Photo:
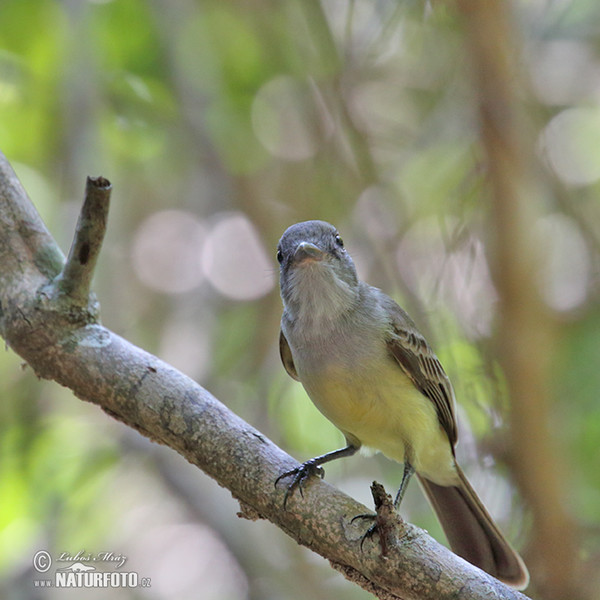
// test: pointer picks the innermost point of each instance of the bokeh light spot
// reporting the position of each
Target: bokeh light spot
(570, 143)
(235, 260)
(565, 275)
(290, 118)
(166, 251)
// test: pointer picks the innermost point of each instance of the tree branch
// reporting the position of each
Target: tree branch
(76, 277)
(58, 334)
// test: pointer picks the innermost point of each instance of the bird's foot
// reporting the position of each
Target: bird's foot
(371, 531)
(300, 474)
(385, 521)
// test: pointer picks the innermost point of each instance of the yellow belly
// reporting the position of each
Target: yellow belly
(381, 408)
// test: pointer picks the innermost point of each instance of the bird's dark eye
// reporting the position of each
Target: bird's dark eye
(279, 256)
(338, 240)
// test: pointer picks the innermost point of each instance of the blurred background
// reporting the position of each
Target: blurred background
(219, 124)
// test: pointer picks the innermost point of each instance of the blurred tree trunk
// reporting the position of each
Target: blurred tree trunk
(525, 330)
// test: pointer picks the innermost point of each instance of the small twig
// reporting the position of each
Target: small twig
(76, 277)
(386, 520)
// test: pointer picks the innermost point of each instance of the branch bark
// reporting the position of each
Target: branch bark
(57, 331)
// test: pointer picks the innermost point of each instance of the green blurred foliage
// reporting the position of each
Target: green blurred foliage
(355, 112)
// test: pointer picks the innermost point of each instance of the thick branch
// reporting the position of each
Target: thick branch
(145, 393)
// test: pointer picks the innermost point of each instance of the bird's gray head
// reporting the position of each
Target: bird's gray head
(317, 276)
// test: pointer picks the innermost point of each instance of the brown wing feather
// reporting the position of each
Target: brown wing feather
(286, 357)
(417, 359)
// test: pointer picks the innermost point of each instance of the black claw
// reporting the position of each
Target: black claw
(372, 529)
(301, 474)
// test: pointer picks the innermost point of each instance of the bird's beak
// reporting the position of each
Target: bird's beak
(305, 251)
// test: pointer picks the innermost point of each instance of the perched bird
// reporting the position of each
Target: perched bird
(369, 370)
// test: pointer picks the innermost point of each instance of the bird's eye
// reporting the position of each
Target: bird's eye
(279, 256)
(339, 241)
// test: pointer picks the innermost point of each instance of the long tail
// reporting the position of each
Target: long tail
(472, 533)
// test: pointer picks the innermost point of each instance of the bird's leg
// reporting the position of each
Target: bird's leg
(408, 472)
(312, 467)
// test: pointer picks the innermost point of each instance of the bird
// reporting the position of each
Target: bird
(369, 370)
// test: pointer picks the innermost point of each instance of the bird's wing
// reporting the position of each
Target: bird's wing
(286, 357)
(412, 352)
